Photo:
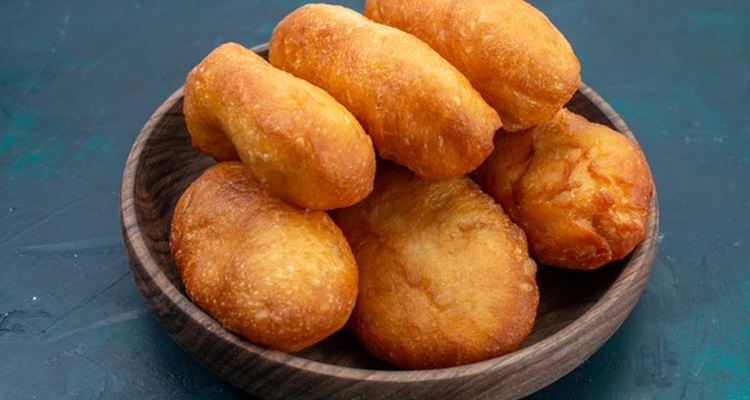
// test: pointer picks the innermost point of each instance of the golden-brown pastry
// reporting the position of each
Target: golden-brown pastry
(580, 190)
(419, 110)
(445, 276)
(299, 142)
(277, 274)
(509, 50)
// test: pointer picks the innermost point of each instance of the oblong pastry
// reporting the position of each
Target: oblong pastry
(510, 51)
(279, 275)
(419, 110)
(298, 141)
(445, 276)
(580, 190)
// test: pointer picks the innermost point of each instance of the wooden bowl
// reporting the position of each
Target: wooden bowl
(578, 312)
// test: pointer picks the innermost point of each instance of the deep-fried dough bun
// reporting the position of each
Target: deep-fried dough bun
(272, 272)
(520, 62)
(419, 110)
(445, 276)
(581, 191)
(299, 142)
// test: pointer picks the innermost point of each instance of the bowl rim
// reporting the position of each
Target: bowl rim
(519, 359)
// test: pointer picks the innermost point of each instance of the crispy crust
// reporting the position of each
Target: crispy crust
(299, 142)
(419, 110)
(445, 276)
(580, 190)
(510, 51)
(274, 273)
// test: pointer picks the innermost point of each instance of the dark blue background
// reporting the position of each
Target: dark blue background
(79, 78)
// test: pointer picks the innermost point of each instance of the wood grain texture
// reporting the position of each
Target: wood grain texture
(579, 310)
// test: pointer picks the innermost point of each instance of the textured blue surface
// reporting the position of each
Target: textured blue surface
(78, 80)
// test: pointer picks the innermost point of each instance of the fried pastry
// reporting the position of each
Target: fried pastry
(419, 110)
(580, 190)
(279, 275)
(445, 276)
(298, 141)
(510, 51)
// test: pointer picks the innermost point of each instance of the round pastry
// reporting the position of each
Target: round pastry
(510, 51)
(445, 276)
(580, 190)
(419, 110)
(298, 141)
(279, 275)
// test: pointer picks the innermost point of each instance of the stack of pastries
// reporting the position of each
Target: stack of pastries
(399, 173)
